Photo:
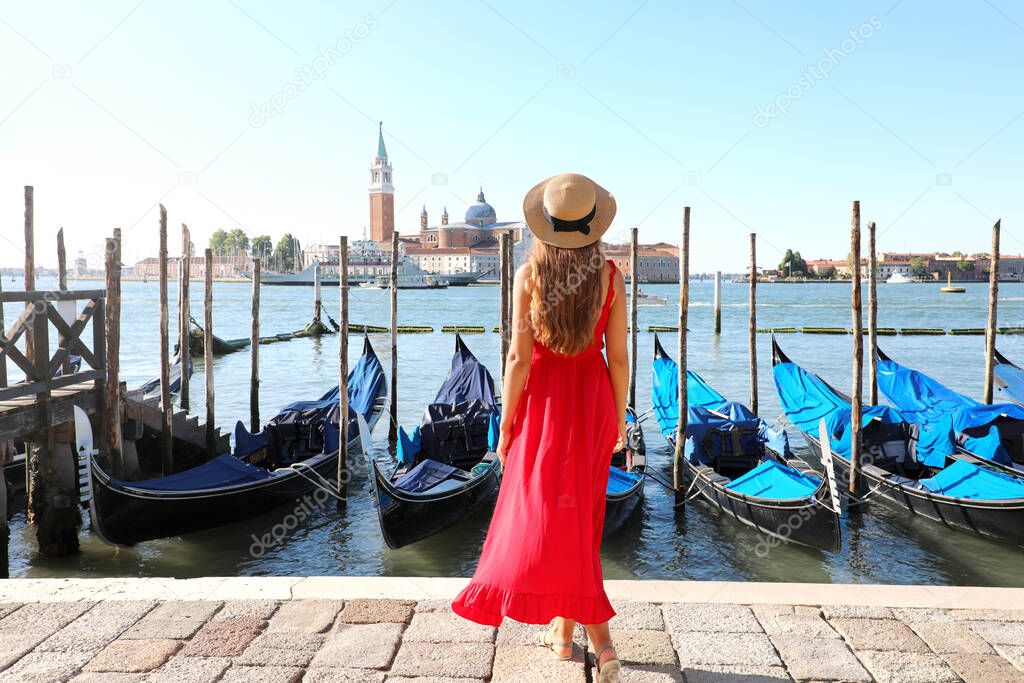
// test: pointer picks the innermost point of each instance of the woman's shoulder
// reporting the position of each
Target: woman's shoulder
(618, 281)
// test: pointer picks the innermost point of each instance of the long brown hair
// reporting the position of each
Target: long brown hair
(565, 300)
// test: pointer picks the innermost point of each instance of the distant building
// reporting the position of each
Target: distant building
(320, 253)
(382, 194)
(479, 229)
(224, 267)
(454, 260)
(658, 262)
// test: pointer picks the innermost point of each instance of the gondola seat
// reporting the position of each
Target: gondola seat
(430, 476)
(963, 479)
(455, 433)
(773, 480)
(620, 481)
(224, 470)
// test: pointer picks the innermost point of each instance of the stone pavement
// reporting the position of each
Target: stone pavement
(173, 637)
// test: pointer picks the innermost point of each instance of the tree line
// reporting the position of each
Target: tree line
(235, 242)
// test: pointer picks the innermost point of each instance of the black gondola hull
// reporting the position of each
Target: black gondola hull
(998, 520)
(406, 518)
(621, 506)
(124, 517)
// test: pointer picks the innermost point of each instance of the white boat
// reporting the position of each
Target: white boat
(644, 299)
(899, 279)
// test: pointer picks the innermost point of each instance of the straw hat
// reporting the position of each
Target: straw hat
(569, 211)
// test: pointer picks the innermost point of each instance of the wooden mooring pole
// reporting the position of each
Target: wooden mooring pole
(684, 309)
(112, 337)
(504, 292)
(185, 326)
(993, 297)
(30, 256)
(752, 323)
(718, 302)
(211, 428)
(343, 473)
(872, 317)
(393, 408)
(166, 409)
(510, 264)
(254, 351)
(856, 396)
(634, 291)
(62, 285)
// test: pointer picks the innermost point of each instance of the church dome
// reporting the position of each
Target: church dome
(481, 213)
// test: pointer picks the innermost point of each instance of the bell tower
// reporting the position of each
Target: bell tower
(382, 194)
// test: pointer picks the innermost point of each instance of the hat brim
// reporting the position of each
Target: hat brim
(540, 226)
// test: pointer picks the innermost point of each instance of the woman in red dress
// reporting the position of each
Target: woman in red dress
(563, 415)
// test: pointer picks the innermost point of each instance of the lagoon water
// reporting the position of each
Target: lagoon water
(879, 546)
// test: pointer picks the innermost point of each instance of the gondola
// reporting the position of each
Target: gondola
(909, 466)
(1009, 377)
(741, 465)
(295, 454)
(151, 389)
(988, 433)
(625, 491)
(446, 468)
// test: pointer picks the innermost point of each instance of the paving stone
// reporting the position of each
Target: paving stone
(132, 656)
(376, 611)
(648, 673)
(107, 677)
(517, 633)
(856, 612)
(879, 634)
(744, 649)
(519, 663)
(430, 679)
(988, 614)
(180, 669)
(780, 620)
(259, 609)
(36, 621)
(13, 648)
(819, 659)
(305, 616)
(706, 673)
(1000, 632)
(433, 606)
(173, 620)
(682, 617)
(282, 649)
(262, 674)
(635, 646)
(366, 646)
(8, 607)
(46, 666)
(93, 630)
(224, 637)
(333, 675)
(919, 615)
(460, 660)
(439, 627)
(1013, 654)
(637, 615)
(907, 667)
(974, 668)
(949, 637)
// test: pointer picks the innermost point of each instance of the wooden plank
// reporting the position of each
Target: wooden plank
(634, 289)
(166, 437)
(856, 396)
(184, 339)
(112, 336)
(71, 336)
(30, 418)
(993, 298)
(343, 473)
(52, 295)
(33, 389)
(254, 351)
(211, 434)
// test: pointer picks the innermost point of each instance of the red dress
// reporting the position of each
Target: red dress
(541, 558)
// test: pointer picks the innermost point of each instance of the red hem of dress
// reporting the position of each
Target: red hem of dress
(488, 605)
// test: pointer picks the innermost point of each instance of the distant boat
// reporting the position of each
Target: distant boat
(899, 279)
(644, 299)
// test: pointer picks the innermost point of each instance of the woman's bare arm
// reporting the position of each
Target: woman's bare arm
(615, 348)
(517, 363)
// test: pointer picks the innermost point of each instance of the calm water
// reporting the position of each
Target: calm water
(879, 546)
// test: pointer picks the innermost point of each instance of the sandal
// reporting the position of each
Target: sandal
(542, 640)
(609, 673)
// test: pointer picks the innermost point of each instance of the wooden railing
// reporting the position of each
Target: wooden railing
(43, 372)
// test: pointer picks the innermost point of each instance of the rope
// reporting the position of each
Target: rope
(326, 488)
(867, 496)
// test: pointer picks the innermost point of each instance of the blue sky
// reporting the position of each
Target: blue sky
(110, 107)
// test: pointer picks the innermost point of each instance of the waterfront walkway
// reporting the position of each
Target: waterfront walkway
(325, 629)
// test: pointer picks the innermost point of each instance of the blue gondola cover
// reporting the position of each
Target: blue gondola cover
(967, 480)
(773, 480)
(224, 470)
(468, 379)
(426, 475)
(620, 481)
